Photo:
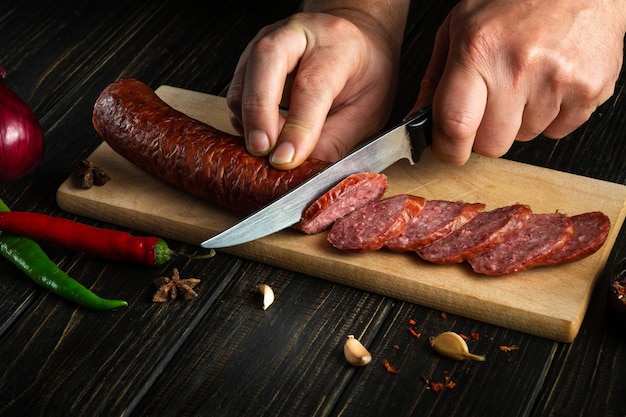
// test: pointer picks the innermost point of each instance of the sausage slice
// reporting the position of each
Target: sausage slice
(483, 232)
(368, 228)
(590, 232)
(541, 236)
(354, 192)
(438, 219)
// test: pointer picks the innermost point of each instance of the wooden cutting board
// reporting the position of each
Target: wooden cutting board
(548, 302)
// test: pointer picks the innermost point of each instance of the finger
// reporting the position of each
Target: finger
(579, 102)
(458, 107)
(435, 68)
(568, 120)
(344, 128)
(538, 114)
(319, 80)
(271, 60)
(235, 91)
(541, 108)
(235, 122)
(501, 122)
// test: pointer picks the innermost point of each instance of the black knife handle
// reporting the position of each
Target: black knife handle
(420, 126)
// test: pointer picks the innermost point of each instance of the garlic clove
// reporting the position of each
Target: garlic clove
(268, 295)
(453, 346)
(356, 354)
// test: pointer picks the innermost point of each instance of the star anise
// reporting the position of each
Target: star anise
(171, 288)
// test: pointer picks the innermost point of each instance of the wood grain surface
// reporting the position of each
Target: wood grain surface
(548, 302)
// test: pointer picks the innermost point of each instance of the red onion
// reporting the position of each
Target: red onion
(21, 138)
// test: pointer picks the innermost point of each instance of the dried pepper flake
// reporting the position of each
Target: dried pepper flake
(444, 315)
(463, 336)
(436, 386)
(391, 369)
(414, 333)
(450, 383)
(412, 322)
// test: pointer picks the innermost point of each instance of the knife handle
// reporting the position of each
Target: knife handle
(419, 126)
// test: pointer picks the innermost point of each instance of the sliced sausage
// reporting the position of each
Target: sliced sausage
(190, 155)
(352, 193)
(541, 236)
(590, 232)
(369, 227)
(484, 231)
(437, 220)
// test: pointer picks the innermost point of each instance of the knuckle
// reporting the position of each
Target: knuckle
(312, 81)
(265, 45)
(458, 125)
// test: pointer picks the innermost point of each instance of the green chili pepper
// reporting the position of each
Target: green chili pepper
(28, 256)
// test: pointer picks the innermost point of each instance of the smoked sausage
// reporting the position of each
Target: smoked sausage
(188, 154)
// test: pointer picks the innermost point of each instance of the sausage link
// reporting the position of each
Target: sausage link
(188, 154)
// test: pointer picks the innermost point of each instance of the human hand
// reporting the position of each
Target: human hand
(505, 70)
(335, 73)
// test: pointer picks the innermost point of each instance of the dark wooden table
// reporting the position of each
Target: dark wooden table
(222, 355)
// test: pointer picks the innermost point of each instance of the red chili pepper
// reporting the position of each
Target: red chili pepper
(106, 243)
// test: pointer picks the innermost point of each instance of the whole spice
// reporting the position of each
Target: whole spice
(33, 261)
(110, 244)
(268, 295)
(89, 175)
(171, 288)
(453, 346)
(355, 353)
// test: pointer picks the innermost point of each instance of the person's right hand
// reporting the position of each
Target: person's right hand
(506, 70)
(336, 75)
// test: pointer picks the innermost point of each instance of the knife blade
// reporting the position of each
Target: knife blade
(407, 140)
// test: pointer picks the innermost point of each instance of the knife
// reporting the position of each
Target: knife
(407, 140)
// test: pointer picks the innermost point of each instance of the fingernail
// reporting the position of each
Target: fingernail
(258, 142)
(283, 154)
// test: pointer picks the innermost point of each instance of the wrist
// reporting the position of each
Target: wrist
(386, 19)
